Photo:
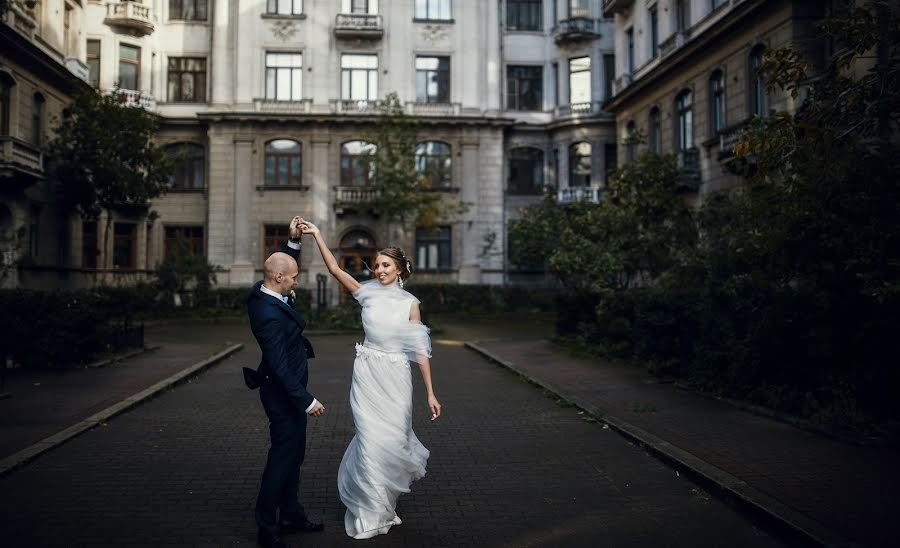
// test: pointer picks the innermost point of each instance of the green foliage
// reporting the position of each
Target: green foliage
(182, 269)
(103, 156)
(637, 232)
(402, 194)
(479, 300)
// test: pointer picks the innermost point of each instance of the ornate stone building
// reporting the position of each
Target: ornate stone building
(266, 105)
(685, 76)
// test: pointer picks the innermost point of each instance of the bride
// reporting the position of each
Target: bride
(385, 456)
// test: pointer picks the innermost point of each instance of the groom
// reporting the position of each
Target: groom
(282, 378)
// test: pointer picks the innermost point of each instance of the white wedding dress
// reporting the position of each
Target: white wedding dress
(385, 456)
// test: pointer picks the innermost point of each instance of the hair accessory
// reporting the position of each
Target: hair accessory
(408, 267)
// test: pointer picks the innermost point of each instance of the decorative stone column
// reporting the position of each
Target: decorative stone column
(470, 236)
(242, 269)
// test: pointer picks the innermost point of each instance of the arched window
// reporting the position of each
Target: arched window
(716, 102)
(190, 166)
(684, 128)
(630, 141)
(580, 164)
(37, 120)
(434, 163)
(357, 163)
(357, 253)
(526, 171)
(283, 163)
(654, 133)
(757, 90)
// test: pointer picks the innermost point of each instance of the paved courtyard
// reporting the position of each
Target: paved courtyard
(509, 467)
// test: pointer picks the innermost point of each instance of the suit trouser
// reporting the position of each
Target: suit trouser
(281, 477)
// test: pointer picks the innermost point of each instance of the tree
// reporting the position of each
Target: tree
(104, 159)
(632, 237)
(400, 192)
(182, 270)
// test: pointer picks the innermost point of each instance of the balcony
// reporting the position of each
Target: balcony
(358, 25)
(432, 109)
(672, 43)
(737, 165)
(348, 199)
(79, 69)
(574, 194)
(21, 164)
(575, 110)
(303, 106)
(689, 170)
(576, 29)
(134, 98)
(130, 15)
(355, 106)
(611, 7)
(620, 83)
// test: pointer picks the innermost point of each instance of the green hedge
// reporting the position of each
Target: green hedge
(480, 299)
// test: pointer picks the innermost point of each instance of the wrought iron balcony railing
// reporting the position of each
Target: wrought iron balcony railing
(576, 29)
(578, 193)
(689, 174)
(134, 98)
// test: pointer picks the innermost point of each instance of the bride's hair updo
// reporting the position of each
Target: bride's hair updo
(400, 259)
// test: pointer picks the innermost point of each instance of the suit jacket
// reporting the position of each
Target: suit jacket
(278, 329)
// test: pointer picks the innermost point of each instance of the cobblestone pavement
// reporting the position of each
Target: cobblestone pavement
(509, 467)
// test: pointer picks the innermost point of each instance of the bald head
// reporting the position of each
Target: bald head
(280, 272)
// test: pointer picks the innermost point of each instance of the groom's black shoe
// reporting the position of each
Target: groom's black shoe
(268, 540)
(301, 525)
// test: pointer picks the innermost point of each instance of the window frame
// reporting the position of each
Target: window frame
(522, 160)
(524, 11)
(199, 95)
(274, 71)
(717, 112)
(189, 161)
(134, 62)
(93, 60)
(757, 100)
(427, 15)
(654, 130)
(90, 245)
(273, 236)
(424, 159)
(131, 238)
(291, 159)
(349, 160)
(274, 7)
(573, 74)
(684, 120)
(196, 243)
(347, 77)
(440, 74)
(512, 80)
(177, 10)
(439, 242)
(574, 155)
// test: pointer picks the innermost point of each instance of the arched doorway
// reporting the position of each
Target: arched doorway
(357, 251)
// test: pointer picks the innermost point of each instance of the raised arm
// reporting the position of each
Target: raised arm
(425, 367)
(345, 279)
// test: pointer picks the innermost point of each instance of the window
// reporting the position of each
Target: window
(630, 141)
(191, 237)
(433, 79)
(89, 249)
(716, 3)
(129, 66)
(524, 87)
(433, 9)
(757, 85)
(357, 163)
(359, 77)
(629, 52)
(434, 164)
(273, 238)
(554, 82)
(37, 119)
(67, 28)
(433, 249)
(187, 80)
(93, 62)
(124, 245)
(283, 163)
(187, 10)
(580, 164)
(610, 159)
(682, 16)
(524, 15)
(716, 102)
(685, 126)
(284, 7)
(359, 6)
(654, 32)
(579, 8)
(654, 135)
(609, 73)
(526, 171)
(190, 166)
(284, 76)
(579, 80)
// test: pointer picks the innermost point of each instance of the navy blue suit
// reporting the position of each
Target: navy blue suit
(283, 375)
